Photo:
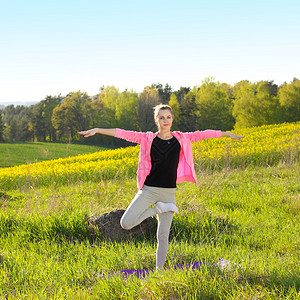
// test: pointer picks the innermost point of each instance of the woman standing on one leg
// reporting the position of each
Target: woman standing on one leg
(165, 159)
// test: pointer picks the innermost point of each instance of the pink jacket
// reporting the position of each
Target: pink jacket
(185, 170)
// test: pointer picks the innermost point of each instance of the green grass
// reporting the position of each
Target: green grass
(249, 216)
(13, 154)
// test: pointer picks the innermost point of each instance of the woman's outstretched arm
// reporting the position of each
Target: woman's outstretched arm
(91, 132)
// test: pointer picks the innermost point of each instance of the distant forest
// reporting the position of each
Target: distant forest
(211, 105)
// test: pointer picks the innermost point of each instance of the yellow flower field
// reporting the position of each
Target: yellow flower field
(264, 145)
(261, 146)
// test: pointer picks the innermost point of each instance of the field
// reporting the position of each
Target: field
(245, 209)
(13, 154)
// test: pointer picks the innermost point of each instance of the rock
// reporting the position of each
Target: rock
(108, 225)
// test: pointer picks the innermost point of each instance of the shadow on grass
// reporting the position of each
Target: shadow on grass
(35, 229)
(70, 226)
(67, 227)
(205, 229)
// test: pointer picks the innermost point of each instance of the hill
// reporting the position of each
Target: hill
(245, 209)
(13, 154)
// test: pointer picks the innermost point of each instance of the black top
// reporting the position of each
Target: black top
(164, 160)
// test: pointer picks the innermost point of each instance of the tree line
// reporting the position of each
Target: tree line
(211, 105)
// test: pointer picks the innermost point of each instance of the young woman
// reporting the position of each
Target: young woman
(165, 159)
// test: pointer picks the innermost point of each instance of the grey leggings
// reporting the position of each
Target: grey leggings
(139, 210)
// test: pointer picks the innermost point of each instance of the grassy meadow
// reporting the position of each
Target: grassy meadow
(13, 154)
(244, 209)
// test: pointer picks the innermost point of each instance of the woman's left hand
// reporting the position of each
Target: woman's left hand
(235, 137)
(232, 136)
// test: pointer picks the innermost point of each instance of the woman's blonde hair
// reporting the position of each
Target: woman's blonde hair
(160, 107)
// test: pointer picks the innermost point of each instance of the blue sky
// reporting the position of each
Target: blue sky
(56, 47)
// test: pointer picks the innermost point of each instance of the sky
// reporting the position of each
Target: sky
(61, 46)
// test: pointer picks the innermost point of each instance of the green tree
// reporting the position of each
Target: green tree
(176, 111)
(2, 126)
(214, 105)
(289, 99)
(108, 97)
(70, 116)
(255, 104)
(267, 103)
(127, 110)
(15, 120)
(147, 100)
(24, 118)
(12, 130)
(164, 92)
(95, 117)
(58, 121)
(188, 112)
(243, 111)
(181, 93)
(95, 111)
(38, 122)
(48, 105)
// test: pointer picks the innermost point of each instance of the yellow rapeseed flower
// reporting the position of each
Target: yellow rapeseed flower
(261, 145)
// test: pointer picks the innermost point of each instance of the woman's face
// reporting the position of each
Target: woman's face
(164, 119)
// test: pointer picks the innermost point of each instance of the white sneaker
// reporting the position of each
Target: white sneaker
(163, 207)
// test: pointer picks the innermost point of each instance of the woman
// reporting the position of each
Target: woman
(165, 159)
